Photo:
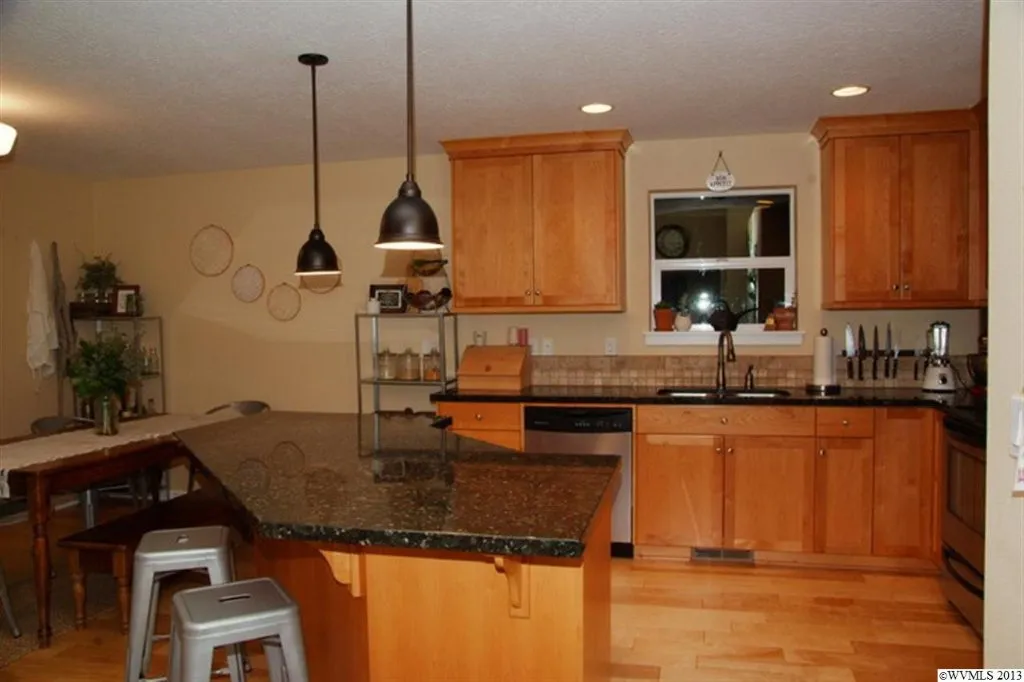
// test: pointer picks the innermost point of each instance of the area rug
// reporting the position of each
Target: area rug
(102, 598)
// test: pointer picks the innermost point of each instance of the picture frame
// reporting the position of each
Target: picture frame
(391, 297)
(126, 300)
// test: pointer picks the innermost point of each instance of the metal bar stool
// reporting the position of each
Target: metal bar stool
(223, 615)
(5, 602)
(161, 553)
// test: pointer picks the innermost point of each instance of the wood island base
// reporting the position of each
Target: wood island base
(378, 614)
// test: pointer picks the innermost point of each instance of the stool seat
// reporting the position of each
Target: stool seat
(221, 615)
(165, 549)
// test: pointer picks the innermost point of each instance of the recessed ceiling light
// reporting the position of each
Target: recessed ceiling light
(596, 108)
(850, 90)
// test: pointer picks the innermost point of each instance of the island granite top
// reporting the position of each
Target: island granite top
(318, 477)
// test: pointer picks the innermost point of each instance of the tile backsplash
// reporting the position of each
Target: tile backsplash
(699, 370)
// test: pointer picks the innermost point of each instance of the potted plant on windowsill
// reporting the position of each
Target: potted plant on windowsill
(100, 372)
(664, 316)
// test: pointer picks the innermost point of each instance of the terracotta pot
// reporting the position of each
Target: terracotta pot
(664, 319)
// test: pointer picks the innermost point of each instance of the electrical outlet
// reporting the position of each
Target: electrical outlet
(611, 346)
(547, 346)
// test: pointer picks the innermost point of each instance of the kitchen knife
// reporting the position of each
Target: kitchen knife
(862, 349)
(888, 349)
(895, 360)
(874, 355)
(850, 350)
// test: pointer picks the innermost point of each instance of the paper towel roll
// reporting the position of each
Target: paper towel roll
(824, 361)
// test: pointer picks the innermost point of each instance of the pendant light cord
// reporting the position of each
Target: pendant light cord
(410, 132)
(316, 158)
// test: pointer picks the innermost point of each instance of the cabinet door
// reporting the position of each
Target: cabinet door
(769, 493)
(904, 475)
(862, 244)
(678, 491)
(492, 232)
(934, 206)
(505, 439)
(844, 489)
(578, 230)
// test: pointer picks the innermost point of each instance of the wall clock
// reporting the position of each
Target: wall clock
(670, 241)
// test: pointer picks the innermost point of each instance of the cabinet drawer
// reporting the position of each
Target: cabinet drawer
(721, 420)
(849, 422)
(483, 416)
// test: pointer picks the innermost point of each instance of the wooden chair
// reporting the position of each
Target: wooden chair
(5, 603)
(243, 407)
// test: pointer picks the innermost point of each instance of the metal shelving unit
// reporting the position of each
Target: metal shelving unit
(444, 335)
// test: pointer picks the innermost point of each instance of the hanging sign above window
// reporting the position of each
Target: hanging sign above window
(720, 179)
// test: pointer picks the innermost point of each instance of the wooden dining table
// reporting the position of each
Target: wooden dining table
(39, 467)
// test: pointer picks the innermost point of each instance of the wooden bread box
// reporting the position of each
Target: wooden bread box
(494, 368)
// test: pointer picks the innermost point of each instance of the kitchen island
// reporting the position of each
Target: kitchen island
(429, 556)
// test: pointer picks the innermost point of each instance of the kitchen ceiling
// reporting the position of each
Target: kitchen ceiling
(151, 87)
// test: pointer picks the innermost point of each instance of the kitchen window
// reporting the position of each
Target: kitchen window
(735, 246)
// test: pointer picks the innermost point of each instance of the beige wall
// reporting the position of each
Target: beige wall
(45, 207)
(1004, 533)
(221, 349)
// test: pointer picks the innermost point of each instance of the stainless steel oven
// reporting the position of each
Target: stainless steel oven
(963, 520)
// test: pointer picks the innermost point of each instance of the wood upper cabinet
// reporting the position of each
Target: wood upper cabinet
(844, 489)
(904, 472)
(492, 202)
(537, 222)
(769, 493)
(679, 491)
(901, 218)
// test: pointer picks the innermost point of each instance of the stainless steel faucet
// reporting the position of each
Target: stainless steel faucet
(726, 353)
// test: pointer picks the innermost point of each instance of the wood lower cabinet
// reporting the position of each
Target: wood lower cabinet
(506, 439)
(538, 223)
(679, 484)
(844, 489)
(497, 423)
(769, 493)
(904, 470)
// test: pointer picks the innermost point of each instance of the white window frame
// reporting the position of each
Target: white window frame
(702, 334)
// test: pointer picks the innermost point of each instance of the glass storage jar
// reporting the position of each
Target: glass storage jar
(432, 366)
(409, 366)
(387, 365)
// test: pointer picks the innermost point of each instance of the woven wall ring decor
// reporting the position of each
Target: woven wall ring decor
(211, 250)
(284, 302)
(247, 283)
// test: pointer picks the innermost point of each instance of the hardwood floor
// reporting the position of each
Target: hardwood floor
(670, 621)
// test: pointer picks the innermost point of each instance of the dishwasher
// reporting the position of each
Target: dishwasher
(590, 431)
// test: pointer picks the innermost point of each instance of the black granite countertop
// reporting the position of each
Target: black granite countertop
(318, 477)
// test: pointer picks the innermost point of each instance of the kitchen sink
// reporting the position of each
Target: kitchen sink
(706, 393)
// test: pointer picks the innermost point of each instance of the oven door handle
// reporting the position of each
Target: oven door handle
(950, 554)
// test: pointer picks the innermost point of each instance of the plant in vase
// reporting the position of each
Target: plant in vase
(100, 372)
(98, 279)
(664, 316)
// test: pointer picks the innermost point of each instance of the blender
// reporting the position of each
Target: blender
(938, 373)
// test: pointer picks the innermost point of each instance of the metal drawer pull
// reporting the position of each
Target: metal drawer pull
(728, 451)
(479, 417)
(846, 422)
(725, 420)
(895, 287)
(821, 452)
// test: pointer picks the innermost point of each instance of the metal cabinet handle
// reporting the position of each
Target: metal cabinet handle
(527, 292)
(895, 287)
(718, 451)
(821, 452)
(906, 287)
(725, 420)
(536, 292)
(846, 422)
(479, 417)
(728, 451)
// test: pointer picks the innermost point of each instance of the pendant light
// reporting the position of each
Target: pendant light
(316, 257)
(8, 134)
(408, 222)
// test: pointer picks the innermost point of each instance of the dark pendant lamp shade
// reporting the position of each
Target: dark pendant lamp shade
(408, 222)
(316, 257)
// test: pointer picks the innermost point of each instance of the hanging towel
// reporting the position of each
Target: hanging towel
(42, 328)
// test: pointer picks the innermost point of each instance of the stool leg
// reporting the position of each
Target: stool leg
(138, 622)
(154, 603)
(221, 573)
(174, 657)
(294, 652)
(196, 661)
(275, 659)
(77, 587)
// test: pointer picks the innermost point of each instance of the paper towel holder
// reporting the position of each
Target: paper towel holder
(823, 389)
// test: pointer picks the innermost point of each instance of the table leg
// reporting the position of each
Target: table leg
(39, 516)
(153, 477)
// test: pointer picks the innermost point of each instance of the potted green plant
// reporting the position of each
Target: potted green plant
(664, 316)
(101, 371)
(97, 279)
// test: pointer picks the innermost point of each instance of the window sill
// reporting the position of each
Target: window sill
(740, 337)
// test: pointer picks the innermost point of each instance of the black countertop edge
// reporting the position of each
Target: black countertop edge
(428, 540)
